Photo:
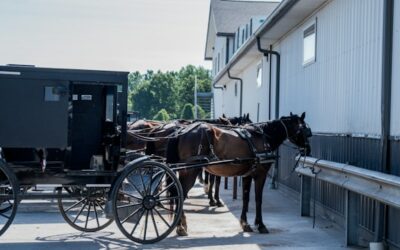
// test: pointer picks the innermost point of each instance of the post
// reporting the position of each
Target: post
(226, 183)
(195, 97)
(352, 218)
(305, 196)
(235, 187)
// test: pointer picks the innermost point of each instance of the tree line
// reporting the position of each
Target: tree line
(167, 95)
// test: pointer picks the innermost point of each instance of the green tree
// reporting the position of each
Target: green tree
(201, 114)
(186, 81)
(162, 115)
(187, 112)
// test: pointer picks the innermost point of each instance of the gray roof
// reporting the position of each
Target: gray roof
(227, 15)
(230, 14)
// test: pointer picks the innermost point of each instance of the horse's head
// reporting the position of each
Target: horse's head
(298, 131)
(240, 120)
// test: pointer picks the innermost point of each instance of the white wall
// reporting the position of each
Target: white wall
(340, 91)
(395, 112)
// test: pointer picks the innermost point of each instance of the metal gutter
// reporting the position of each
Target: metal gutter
(280, 11)
(241, 90)
(277, 81)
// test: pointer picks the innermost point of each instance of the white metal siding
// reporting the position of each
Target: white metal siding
(340, 91)
(395, 112)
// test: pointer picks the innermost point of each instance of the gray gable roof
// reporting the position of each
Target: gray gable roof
(230, 14)
(227, 15)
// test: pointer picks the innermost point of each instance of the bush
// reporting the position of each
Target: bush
(162, 115)
(201, 114)
(187, 112)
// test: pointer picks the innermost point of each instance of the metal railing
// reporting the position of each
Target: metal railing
(381, 187)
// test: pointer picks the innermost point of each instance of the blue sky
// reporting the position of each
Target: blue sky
(103, 34)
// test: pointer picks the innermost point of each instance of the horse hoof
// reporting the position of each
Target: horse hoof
(263, 229)
(247, 228)
(181, 231)
(219, 204)
(213, 204)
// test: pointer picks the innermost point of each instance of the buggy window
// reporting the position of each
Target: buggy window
(110, 107)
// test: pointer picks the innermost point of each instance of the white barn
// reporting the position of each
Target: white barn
(339, 62)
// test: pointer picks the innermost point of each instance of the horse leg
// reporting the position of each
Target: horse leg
(187, 178)
(210, 190)
(217, 184)
(206, 180)
(246, 198)
(200, 177)
(259, 181)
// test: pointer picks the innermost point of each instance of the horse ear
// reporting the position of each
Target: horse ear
(291, 113)
(303, 116)
(223, 115)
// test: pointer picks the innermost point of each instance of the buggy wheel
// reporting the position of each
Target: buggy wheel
(8, 196)
(86, 213)
(147, 202)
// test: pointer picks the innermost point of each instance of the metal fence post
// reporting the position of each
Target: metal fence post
(305, 195)
(235, 187)
(352, 218)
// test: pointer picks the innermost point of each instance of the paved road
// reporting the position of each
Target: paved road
(211, 228)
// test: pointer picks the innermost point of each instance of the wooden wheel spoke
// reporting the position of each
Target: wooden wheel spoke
(5, 216)
(144, 186)
(162, 218)
(169, 198)
(74, 205)
(154, 223)
(95, 213)
(165, 189)
(140, 218)
(132, 214)
(169, 210)
(80, 211)
(145, 224)
(128, 205)
(130, 195)
(135, 187)
(88, 214)
(159, 181)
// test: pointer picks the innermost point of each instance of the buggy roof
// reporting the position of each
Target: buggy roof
(63, 74)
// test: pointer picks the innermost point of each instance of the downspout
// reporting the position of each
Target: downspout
(241, 90)
(277, 80)
(235, 181)
(386, 88)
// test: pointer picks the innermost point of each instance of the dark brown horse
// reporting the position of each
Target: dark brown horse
(220, 144)
(211, 179)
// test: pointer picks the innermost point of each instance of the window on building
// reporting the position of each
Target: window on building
(259, 75)
(309, 43)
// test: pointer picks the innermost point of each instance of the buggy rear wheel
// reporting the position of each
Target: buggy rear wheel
(147, 202)
(86, 213)
(8, 196)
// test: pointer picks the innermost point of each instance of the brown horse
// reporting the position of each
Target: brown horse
(141, 127)
(211, 179)
(220, 144)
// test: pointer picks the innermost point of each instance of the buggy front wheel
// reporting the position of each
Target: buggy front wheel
(147, 202)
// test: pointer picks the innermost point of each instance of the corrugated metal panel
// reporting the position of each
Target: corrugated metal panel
(393, 226)
(395, 120)
(394, 157)
(341, 90)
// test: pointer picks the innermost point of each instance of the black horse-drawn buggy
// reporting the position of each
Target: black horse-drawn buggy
(66, 129)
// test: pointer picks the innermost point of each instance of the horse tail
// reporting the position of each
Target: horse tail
(172, 150)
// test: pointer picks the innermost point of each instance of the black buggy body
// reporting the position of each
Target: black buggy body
(68, 127)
